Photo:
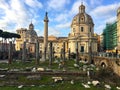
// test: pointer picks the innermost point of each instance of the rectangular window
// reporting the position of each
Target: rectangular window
(73, 29)
(82, 49)
(82, 29)
(90, 29)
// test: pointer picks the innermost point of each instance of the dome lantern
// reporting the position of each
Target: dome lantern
(31, 26)
(82, 8)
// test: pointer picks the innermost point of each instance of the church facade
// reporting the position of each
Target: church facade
(82, 33)
(27, 35)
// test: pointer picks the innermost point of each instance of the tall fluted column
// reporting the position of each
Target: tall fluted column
(45, 36)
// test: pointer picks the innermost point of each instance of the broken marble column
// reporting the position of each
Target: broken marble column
(24, 52)
(50, 53)
(10, 53)
(77, 53)
(37, 52)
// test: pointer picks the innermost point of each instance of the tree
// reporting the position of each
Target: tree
(1, 32)
(5, 36)
(14, 35)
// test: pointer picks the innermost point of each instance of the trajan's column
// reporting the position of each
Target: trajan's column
(45, 36)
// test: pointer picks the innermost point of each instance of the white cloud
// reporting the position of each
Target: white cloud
(75, 7)
(16, 14)
(53, 31)
(104, 14)
(34, 3)
(57, 5)
(19, 13)
(99, 29)
(61, 17)
(63, 25)
(95, 2)
(111, 19)
(105, 10)
(12, 11)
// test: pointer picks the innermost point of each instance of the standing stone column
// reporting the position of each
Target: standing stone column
(61, 54)
(45, 36)
(53, 53)
(77, 53)
(90, 51)
(24, 52)
(37, 52)
(69, 54)
(10, 53)
(64, 51)
(28, 51)
(50, 53)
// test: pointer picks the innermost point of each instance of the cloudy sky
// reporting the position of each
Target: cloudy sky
(16, 14)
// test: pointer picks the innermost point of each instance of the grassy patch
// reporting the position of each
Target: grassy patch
(58, 86)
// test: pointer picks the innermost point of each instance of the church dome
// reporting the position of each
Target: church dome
(82, 17)
(32, 33)
(31, 30)
(31, 24)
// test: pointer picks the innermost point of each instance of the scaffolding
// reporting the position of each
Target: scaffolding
(110, 37)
